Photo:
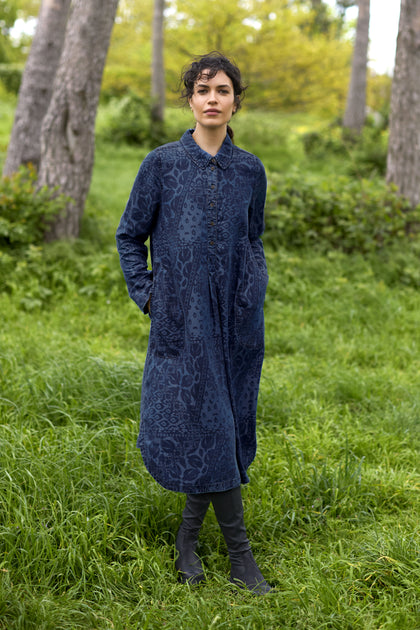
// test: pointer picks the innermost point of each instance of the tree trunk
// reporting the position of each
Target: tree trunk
(36, 87)
(158, 71)
(403, 167)
(67, 137)
(355, 113)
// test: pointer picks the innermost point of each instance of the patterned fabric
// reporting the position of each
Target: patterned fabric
(204, 216)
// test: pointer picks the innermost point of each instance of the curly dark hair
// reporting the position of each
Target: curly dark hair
(211, 63)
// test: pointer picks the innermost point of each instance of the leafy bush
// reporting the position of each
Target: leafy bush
(25, 210)
(11, 76)
(40, 275)
(341, 213)
(319, 144)
(24, 215)
(366, 153)
(128, 120)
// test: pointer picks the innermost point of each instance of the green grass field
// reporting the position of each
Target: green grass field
(86, 535)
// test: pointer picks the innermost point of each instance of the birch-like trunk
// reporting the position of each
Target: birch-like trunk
(354, 117)
(67, 137)
(403, 166)
(36, 87)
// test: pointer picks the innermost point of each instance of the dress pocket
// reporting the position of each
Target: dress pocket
(249, 300)
(167, 319)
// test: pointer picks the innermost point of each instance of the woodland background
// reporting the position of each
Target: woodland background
(86, 536)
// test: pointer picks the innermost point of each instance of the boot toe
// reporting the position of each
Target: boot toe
(258, 588)
(246, 573)
(190, 578)
(189, 572)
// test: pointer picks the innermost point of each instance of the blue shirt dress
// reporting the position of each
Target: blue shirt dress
(204, 216)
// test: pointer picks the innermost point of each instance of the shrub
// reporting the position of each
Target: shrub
(369, 151)
(38, 275)
(366, 153)
(24, 215)
(25, 210)
(337, 213)
(128, 120)
(11, 76)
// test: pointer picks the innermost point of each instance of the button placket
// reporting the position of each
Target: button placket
(212, 208)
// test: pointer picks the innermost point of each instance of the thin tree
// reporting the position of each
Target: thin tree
(403, 166)
(158, 70)
(67, 136)
(36, 87)
(355, 113)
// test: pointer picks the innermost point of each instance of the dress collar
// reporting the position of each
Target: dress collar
(202, 158)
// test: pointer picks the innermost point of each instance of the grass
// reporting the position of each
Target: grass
(332, 509)
(86, 536)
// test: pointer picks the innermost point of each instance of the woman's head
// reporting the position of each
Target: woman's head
(209, 65)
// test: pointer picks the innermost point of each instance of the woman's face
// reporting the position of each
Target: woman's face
(213, 100)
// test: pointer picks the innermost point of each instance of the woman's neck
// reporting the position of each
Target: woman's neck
(210, 140)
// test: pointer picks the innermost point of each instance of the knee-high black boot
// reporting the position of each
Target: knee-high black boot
(229, 513)
(188, 563)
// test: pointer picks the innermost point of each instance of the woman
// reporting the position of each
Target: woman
(201, 202)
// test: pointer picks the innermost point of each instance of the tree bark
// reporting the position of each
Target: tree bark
(36, 87)
(355, 113)
(403, 166)
(67, 136)
(158, 71)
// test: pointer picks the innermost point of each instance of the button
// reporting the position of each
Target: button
(212, 205)
(212, 168)
(211, 242)
(212, 223)
(213, 186)
(213, 160)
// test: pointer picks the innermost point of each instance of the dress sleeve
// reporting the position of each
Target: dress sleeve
(256, 215)
(135, 227)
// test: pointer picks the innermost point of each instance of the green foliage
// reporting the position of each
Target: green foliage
(7, 110)
(284, 57)
(8, 15)
(28, 8)
(378, 95)
(119, 81)
(128, 120)
(11, 76)
(38, 276)
(25, 210)
(337, 213)
(366, 153)
(321, 18)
